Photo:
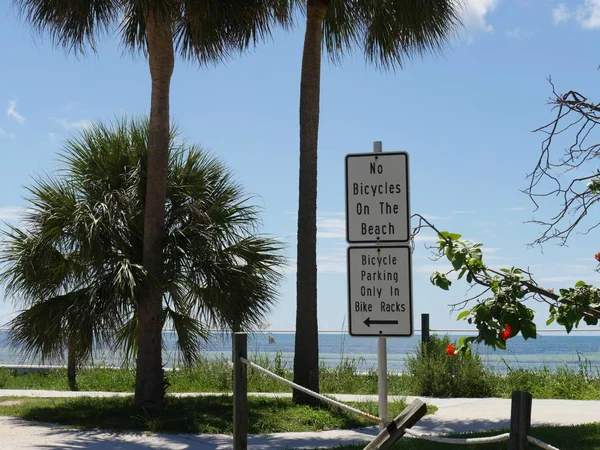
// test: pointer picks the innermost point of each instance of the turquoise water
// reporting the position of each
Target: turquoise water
(546, 350)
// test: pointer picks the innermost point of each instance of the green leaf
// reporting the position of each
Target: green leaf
(550, 320)
(458, 260)
(476, 253)
(463, 314)
(440, 280)
(590, 320)
(450, 236)
(580, 283)
(528, 329)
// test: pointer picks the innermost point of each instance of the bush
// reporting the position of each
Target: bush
(436, 374)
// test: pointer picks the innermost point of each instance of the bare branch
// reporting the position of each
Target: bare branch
(550, 176)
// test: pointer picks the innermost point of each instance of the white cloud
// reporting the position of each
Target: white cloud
(430, 217)
(11, 213)
(328, 261)
(441, 266)
(425, 238)
(588, 15)
(78, 124)
(6, 134)
(52, 137)
(569, 279)
(475, 14)
(330, 225)
(491, 249)
(12, 112)
(521, 35)
(560, 14)
(331, 262)
(516, 208)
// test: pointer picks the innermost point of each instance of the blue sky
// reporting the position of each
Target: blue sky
(465, 116)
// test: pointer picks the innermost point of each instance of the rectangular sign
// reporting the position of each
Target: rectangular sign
(380, 291)
(377, 200)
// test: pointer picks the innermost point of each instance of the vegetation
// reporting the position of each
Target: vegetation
(433, 373)
(566, 438)
(208, 32)
(500, 311)
(206, 414)
(76, 263)
(422, 379)
(388, 32)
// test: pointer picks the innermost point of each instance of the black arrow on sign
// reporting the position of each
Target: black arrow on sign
(368, 322)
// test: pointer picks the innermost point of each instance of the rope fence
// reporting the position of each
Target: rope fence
(311, 393)
(445, 440)
(540, 444)
(395, 429)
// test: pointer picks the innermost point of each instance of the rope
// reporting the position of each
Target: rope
(540, 443)
(309, 392)
(445, 440)
(426, 437)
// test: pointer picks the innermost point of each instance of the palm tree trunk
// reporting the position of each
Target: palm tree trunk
(306, 349)
(149, 386)
(71, 365)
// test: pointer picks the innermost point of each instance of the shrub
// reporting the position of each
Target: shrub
(436, 374)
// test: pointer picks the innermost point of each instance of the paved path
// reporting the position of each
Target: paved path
(453, 415)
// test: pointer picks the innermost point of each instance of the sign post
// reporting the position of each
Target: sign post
(379, 275)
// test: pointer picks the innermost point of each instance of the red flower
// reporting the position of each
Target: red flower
(451, 350)
(504, 335)
(597, 256)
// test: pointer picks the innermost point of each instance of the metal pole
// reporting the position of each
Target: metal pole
(425, 328)
(382, 387)
(382, 381)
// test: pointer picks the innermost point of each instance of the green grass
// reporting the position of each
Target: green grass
(207, 376)
(429, 373)
(578, 437)
(206, 414)
(215, 376)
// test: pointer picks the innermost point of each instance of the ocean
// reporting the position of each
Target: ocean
(549, 350)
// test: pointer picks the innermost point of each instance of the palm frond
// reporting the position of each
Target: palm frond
(389, 32)
(396, 30)
(79, 260)
(72, 24)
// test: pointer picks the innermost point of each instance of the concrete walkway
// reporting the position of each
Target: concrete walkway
(453, 415)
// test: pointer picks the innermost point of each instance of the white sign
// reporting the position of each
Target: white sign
(377, 205)
(380, 291)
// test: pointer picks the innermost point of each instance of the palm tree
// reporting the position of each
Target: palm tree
(76, 263)
(388, 32)
(204, 30)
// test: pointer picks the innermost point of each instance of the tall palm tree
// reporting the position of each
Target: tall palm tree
(204, 30)
(388, 32)
(76, 263)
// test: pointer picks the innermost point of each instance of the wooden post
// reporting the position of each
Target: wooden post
(520, 420)
(240, 392)
(386, 439)
(425, 328)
